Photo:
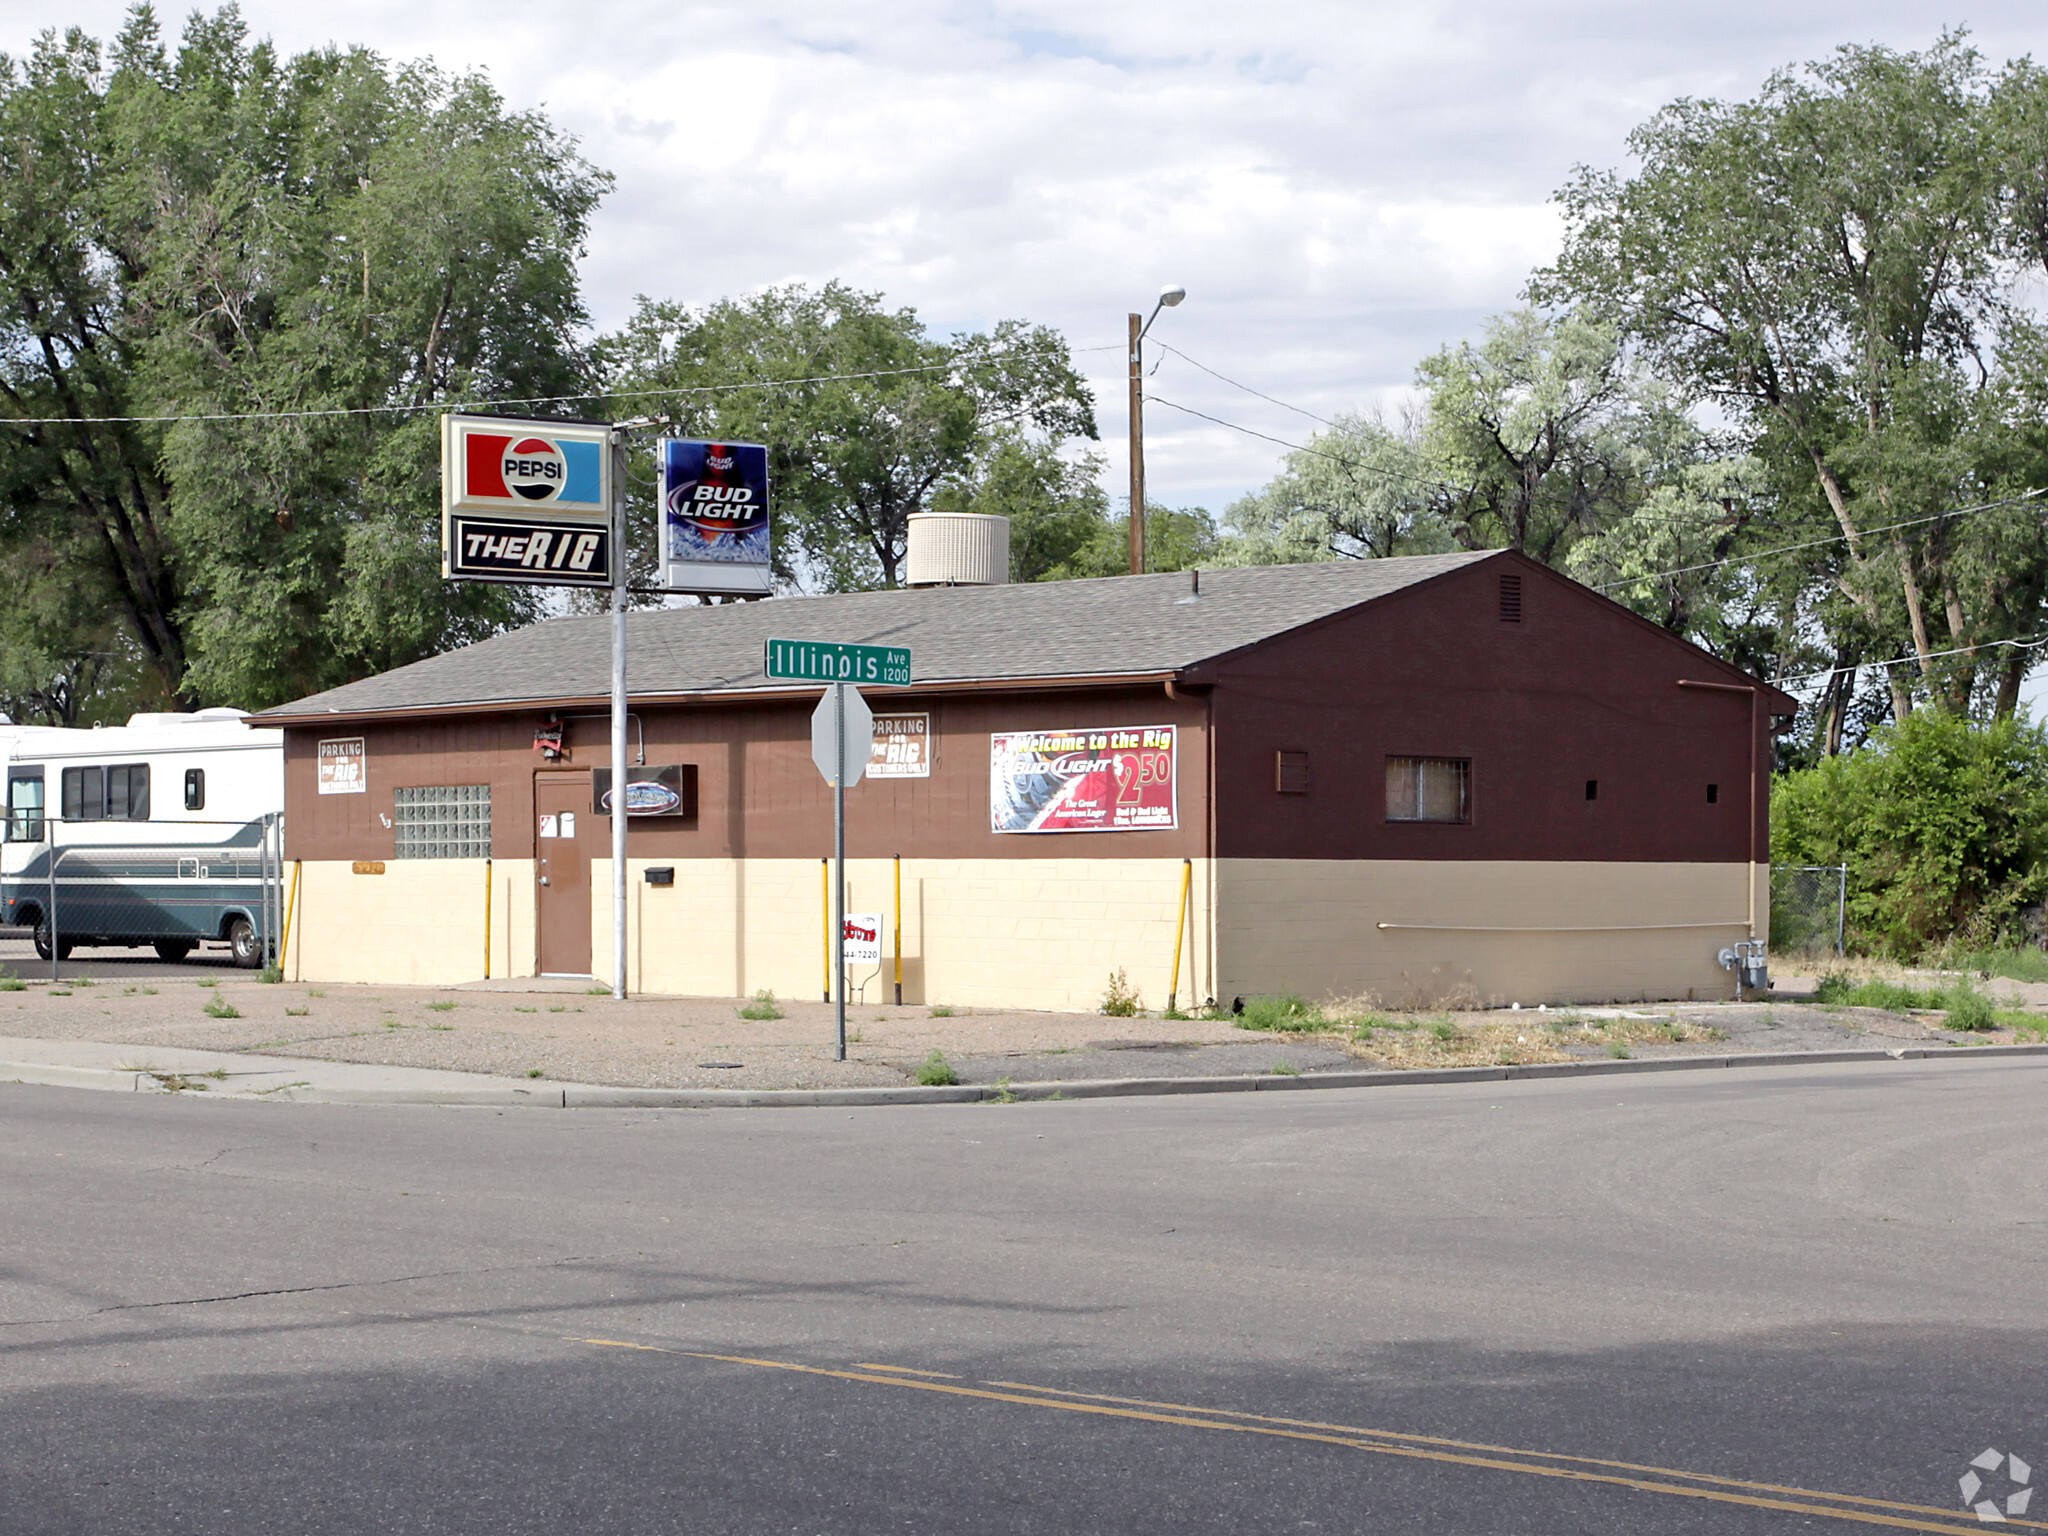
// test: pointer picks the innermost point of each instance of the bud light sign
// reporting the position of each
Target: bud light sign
(714, 517)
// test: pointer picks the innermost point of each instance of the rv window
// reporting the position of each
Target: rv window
(24, 807)
(128, 792)
(195, 789)
(85, 794)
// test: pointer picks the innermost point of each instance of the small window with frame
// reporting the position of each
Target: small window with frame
(1435, 789)
(195, 789)
(1290, 772)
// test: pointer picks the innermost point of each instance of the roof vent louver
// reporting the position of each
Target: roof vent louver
(1511, 597)
(957, 549)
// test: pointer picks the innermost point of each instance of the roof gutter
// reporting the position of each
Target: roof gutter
(701, 698)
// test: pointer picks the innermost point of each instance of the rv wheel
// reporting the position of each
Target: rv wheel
(64, 946)
(174, 950)
(243, 944)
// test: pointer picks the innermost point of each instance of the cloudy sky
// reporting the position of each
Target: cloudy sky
(1342, 188)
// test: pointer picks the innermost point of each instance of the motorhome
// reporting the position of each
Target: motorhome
(164, 833)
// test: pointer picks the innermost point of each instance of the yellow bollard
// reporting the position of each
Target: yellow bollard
(291, 905)
(1187, 875)
(825, 890)
(899, 930)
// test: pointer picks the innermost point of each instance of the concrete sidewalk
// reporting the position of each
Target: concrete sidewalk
(229, 1075)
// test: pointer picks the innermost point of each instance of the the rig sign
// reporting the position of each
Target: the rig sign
(714, 518)
(526, 501)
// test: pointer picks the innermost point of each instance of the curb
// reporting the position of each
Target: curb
(593, 1096)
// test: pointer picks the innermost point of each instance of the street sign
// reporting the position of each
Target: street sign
(826, 661)
(850, 748)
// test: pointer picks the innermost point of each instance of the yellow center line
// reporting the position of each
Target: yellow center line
(1200, 1419)
(1510, 1450)
(907, 1370)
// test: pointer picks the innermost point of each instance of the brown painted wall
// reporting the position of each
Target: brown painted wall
(1578, 690)
(759, 793)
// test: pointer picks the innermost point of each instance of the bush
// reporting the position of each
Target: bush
(1282, 1015)
(936, 1072)
(1121, 1001)
(1943, 824)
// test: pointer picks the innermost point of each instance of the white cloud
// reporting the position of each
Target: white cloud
(1342, 187)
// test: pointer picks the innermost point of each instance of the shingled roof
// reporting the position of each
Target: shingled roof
(1137, 626)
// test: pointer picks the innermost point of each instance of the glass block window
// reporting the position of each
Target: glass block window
(443, 821)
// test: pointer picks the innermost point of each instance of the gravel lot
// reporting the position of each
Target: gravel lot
(560, 1031)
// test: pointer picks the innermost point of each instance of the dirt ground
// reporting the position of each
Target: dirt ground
(563, 1032)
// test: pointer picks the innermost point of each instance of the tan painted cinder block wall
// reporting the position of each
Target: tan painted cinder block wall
(976, 932)
(420, 923)
(1563, 932)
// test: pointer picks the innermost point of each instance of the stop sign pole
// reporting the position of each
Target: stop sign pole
(842, 740)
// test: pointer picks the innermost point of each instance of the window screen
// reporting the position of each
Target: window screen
(85, 794)
(25, 808)
(1429, 789)
(128, 792)
(448, 821)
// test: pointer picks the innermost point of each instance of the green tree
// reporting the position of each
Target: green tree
(293, 258)
(1830, 266)
(869, 418)
(1942, 822)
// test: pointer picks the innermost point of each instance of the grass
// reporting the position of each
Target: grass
(1444, 1029)
(1290, 1015)
(2018, 964)
(941, 1011)
(535, 1072)
(59, 992)
(1122, 1000)
(936, 1072)
(221, 1008)
(763, 1006)
(296, 1013)
(1966, 1007)
(558, 1007)
(2024, 1026)
(12, 984)
(1002, 1094)
(315, 992)
(441, 1007)
(147, 991)
(84, 981)
(597, 991)
(1283, 1069)
(273, 974)
(208, 982)
(1618, 1051)
(517, 1009)
(449, 1027)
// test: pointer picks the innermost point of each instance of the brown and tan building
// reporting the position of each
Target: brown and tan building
(1449, 775)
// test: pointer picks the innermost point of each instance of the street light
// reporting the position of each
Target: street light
(1169, 296)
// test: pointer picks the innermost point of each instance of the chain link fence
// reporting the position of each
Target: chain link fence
(166, 886)
(1808, 903)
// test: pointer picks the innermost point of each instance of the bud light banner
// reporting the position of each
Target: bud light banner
(1113, 779)
(714, 517)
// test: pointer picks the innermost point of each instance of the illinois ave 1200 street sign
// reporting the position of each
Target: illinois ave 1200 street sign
(526, 501)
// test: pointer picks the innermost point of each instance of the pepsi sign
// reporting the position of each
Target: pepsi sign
(496, 464)
(715, 524)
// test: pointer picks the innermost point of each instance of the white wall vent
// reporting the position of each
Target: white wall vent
(958, 549)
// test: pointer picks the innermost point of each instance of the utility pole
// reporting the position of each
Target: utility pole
(1138, 327)
(620, 773)
(1168, 297)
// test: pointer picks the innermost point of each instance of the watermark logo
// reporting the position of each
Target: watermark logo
(1982, 1486)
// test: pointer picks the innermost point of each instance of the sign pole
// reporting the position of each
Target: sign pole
(619, 772)
(839, 867)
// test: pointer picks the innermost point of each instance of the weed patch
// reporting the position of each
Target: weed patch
(1966, 1007)
(221, 1008)
(1289, 1015)
(1121, 1001)
(763, 1006)
(941, 1011)
(440, 1007)
(1283, 1069)
(936, 1072)
(12, 984)
(296, 1013)
(273, 974)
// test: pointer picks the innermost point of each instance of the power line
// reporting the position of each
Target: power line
(1900, 661)
(471, 405)
(1836, 538)
(1370, 469)
(1269, 399)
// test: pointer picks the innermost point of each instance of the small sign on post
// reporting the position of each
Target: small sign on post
(842, 742)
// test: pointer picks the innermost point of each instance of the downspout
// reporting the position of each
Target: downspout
(1749, 867)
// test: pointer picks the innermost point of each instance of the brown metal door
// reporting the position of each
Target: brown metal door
(563, 830)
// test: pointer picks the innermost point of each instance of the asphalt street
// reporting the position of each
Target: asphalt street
(1757, 1300)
